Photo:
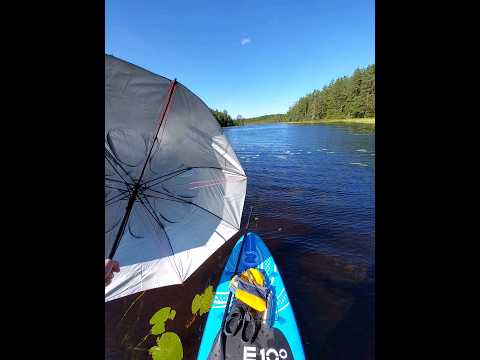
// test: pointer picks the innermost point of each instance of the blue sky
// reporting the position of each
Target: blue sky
(250, 57)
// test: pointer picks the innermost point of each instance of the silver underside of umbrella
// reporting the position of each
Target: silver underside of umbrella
(174, 188)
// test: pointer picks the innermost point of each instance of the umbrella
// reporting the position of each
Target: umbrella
(174, 188)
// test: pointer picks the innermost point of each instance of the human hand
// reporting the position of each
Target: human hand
(111, 267)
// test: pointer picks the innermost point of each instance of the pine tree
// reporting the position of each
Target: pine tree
(345, 97)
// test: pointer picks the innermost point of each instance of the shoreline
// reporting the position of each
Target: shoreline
(370, 121)
(365, 121)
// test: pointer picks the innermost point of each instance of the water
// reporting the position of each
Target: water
(312, 189)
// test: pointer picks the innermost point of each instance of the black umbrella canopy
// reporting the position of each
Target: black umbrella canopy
(174, 188)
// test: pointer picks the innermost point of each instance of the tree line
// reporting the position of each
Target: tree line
(346, 97)
(264, 119)
(223, 118)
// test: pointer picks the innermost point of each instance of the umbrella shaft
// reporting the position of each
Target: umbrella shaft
(120, 232)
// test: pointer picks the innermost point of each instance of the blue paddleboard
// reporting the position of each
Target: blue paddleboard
(279, 341)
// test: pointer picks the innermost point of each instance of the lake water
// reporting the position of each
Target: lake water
(312, 188)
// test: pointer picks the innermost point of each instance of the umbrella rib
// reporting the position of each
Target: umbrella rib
(112, 157)
(201, 207)
(217, 168)
(162, 198)
(169, 194)
(115, 169)
(115, 199)
(165, 175)
(122, 190)
(185, 170)
(156, 212)
(114, 180)
(122, 193)
(157, 220)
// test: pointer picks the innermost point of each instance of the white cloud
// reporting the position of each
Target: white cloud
(245, 41)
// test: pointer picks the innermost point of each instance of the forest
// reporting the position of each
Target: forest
(265, 119)
(348, 97)
(223, 118)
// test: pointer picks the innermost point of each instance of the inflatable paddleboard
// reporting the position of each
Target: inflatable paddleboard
(279, 340)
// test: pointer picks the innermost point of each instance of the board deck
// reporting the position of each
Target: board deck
(284, 326)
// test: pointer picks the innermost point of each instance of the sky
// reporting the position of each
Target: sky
(249, 57)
